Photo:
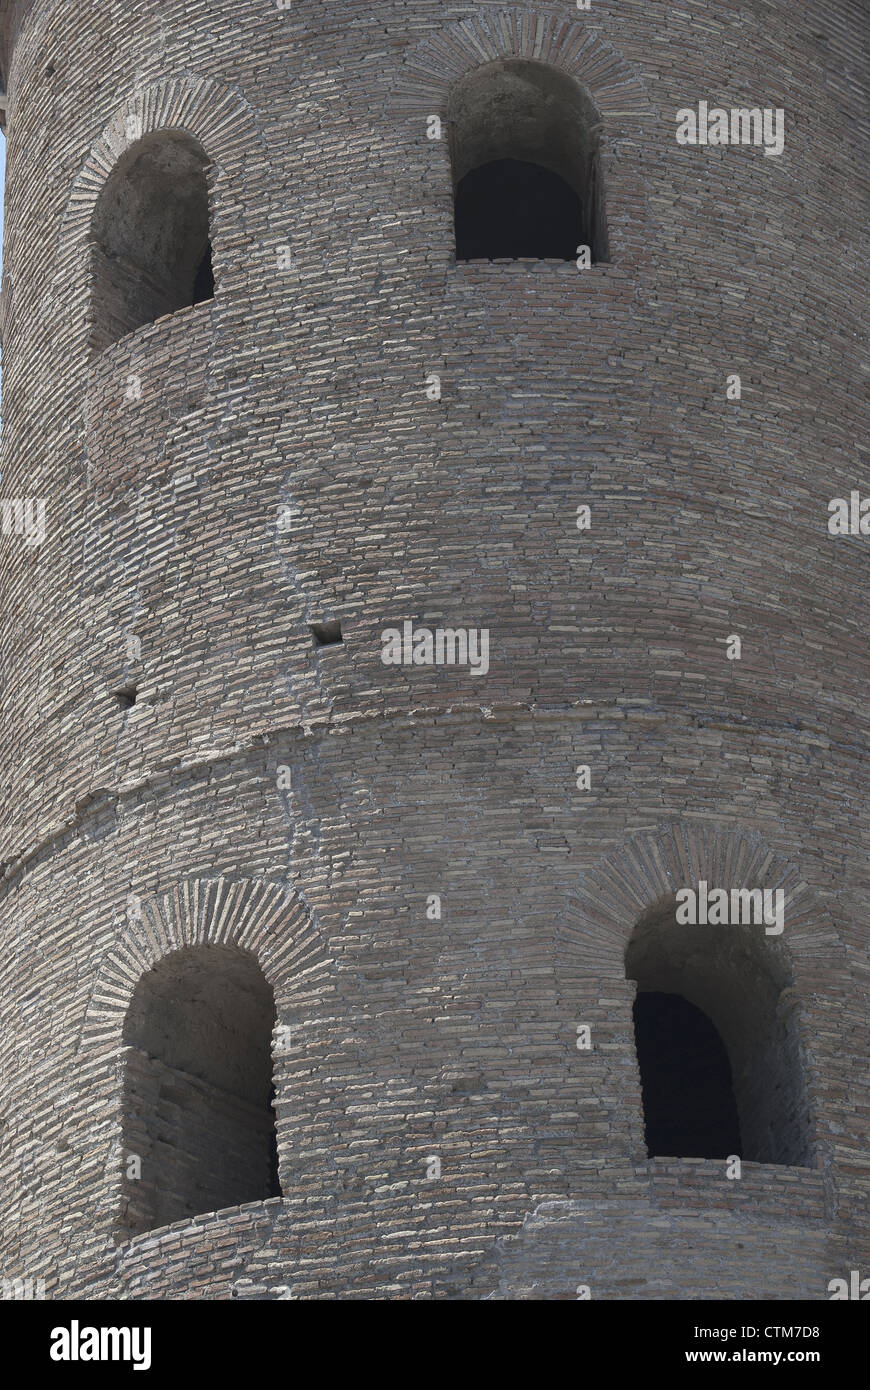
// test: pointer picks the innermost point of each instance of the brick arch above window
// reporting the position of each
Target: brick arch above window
(422, 84)
(218, 117)
(260, 918)
(633, 882)
(437, 62)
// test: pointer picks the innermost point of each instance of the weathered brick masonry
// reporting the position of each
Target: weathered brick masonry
(305, 389)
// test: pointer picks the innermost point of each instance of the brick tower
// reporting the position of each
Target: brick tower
(397, 621)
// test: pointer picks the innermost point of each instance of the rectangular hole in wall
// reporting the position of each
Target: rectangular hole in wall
(326, 634)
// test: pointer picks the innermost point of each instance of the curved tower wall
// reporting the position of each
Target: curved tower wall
(283, 466)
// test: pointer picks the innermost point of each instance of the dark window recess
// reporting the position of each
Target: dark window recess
(511, 209)
(688, 1101)
(326, 634)
(203, 285)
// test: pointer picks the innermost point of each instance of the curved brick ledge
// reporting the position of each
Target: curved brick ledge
(623, 1249)
(766, 1190)
(122, 447)
(190, 1256)
(263, 736)
(280, 1249)
(273, 1250)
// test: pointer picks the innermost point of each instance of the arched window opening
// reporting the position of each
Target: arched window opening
(526, 166)
(198, 1093)
(150, 237)
(718, 1046)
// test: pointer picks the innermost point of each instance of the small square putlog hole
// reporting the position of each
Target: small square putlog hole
(125, 696)
(326, 634)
